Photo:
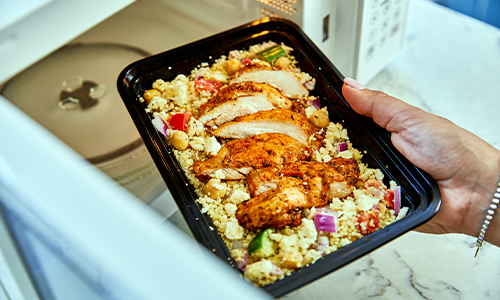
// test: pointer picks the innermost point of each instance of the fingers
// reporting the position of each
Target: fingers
(377, 105)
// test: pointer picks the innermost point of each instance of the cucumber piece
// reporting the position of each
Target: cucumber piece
(261, 246)
(271, 53)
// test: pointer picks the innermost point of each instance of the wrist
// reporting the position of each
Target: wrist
(486, 225)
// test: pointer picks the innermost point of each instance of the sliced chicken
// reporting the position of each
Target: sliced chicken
(277, 120)
(274, 208)
(280, 194)
(237, 158)
(241, 99)
(263, 180)
(337, 177)
(284, 80)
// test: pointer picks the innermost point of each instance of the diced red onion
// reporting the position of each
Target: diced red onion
(266, 45)
(315, 103)
(309, 85)
(276, 271)
(160, 125)
(341, 147)
(322, 243)
(377, 193)
(397, 200)
(242, 264)
(326, 220)
(200, 73)
(234, 54)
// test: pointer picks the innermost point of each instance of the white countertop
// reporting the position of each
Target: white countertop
(449, 66)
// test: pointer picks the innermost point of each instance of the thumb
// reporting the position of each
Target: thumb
(385, 110)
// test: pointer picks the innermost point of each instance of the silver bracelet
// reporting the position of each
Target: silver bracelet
(489, 216)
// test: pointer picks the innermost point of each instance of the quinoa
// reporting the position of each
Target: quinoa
(295, 247)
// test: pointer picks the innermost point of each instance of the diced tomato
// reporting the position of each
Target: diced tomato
(207, 85)
(246, 61)
(368, 222)
(179, 121)
(389, 199)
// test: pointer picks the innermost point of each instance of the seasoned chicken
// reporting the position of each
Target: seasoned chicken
(263, 180)
(338, 176)
(285, 191)
(274, 208)
(241, 99)
(277, 120)
(283, 79)
(237, 158)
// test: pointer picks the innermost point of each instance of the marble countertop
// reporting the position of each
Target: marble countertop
(449, 66)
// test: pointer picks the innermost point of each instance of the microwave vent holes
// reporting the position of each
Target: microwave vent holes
(276, 8)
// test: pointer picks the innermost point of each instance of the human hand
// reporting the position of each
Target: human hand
(465, 168)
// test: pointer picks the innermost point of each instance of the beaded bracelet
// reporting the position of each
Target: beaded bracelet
(489, 216)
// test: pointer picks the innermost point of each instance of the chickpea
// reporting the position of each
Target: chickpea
(282, 62)
(232, 66)
(215, 188)
(180, 140)
(149, 94)
(360, 184)
(291, 259)
(320, 119)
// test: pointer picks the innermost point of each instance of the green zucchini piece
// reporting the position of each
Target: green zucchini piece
(271, 53)
(261, 246)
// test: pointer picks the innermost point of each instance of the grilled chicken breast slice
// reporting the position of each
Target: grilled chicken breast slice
(284, 80)
(280, 193)
(274, 208)
(277, 120)
(333, 179)
(255, 152)
(241, 99)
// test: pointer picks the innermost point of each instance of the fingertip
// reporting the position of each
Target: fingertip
(351, 82)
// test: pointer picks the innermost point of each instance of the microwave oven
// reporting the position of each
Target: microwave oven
(359, 36)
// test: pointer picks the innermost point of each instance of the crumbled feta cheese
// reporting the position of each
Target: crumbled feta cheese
(363, 201)
(312, 256)
(230, 208)
(259, 270)
(239, 196)
(346, 154)
(212, 146)
(309, 111)
(379, 175)
(233, 230)
(289, 243)
(392, 185)
(402, 213)
(276, 237)
(195, 127)
(307, 233)
(219, 174)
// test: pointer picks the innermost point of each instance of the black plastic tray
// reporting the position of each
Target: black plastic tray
(419, 191)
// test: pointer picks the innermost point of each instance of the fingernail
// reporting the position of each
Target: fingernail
(353, 83)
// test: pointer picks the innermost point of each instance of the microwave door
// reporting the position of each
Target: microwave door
(81, 236)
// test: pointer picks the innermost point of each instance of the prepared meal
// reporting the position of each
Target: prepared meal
(282, 184)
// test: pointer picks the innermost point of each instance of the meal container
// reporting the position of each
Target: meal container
(419, 192)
